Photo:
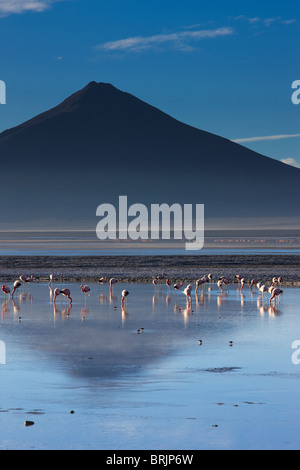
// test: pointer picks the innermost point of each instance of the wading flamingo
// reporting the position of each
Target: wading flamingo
(112, 281)
(17, 284)
(178, 286)
(64, 292)
(6, 290)
(187, 291)
(276, 292)
(124, 295)
(200, 282)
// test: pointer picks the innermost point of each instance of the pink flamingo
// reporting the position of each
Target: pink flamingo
(17, 284)
(200, 282)
(154, 282)
(220, 284)
(168, 282)
(103, 280)
(124, 295)
(242, 284)
(178, 286)
(112, 281)
(263, 289)
(276, 292)
(187, 291)
(64, 292)
(85, 289)
(162, 276)
(280, 280)
(252, 283)
(6, 290)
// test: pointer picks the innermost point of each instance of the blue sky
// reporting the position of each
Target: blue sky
(224, 67)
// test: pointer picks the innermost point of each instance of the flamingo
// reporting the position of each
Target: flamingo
(168, 283)
(162, 276)
(29, 279)
(64, 292)
(263, 289)
(178, 286)
(6, 290)
(209, 277)
(154, 282)
(280, 280)
(85, 289)
(242, 283)
(220, 284)
(224, 279)
(103, 280)
(112, 281)
(200, 282)
(23, 278)
(252, 283)
(187, 291)
(124, 295)
(274, 281)
(271, 288)
(17, 284)
(276, 292)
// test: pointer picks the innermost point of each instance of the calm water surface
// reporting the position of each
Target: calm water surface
(156, 388)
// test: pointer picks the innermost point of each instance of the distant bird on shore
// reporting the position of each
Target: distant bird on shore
(17, 284)
(6, 290)
(276, 292)
(124, 295)
(161, 276)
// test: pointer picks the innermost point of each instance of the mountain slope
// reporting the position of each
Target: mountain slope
(101, 143)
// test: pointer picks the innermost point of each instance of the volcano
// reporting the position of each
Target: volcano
(101, 143)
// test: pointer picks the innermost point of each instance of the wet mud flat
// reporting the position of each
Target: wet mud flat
(145, 268)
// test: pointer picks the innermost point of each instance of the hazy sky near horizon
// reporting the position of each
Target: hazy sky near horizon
(224, 67)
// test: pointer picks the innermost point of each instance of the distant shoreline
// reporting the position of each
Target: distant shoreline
(145, 268)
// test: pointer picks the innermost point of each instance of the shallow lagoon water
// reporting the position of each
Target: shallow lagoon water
(156, 388)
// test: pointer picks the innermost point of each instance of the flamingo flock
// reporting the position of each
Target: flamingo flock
(274, 289)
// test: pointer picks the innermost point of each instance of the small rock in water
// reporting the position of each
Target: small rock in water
(28, 423)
